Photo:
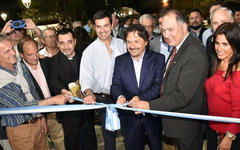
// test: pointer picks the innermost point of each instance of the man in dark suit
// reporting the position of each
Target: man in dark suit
(141, 79)
(183, 84)
(78, 126)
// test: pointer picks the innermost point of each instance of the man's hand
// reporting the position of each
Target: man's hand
(89, 99)
(7, 28)
(60, 99)
(63, 99)
(121, 100)
(30, 24)
(225, 144)
(44, 125)
(135, 102)
(66, 92)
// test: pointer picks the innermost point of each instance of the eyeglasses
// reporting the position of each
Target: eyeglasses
(148, 27)
(15, 31)
(50, 36)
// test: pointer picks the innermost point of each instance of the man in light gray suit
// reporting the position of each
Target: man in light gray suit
(158, 44)
(183, 84)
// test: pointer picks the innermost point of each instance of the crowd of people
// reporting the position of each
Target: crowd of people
(170, 63)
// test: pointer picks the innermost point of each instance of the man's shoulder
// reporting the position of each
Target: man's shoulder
(118, 41)
(155, 44)
(207, 32)
(154, 55)
(122, 57)
(92, 46)
(156, 40)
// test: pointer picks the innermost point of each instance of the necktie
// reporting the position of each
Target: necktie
(167, 67)
(171, 59)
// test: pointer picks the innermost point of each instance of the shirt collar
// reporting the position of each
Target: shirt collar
(178, 46)
(140, 57)
(9, 71)
(29, 67)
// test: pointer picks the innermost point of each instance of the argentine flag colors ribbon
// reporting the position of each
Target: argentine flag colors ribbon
(112, 119)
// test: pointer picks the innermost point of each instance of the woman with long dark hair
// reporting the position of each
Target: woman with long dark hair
(223, 88)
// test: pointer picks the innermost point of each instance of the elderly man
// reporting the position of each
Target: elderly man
(209, 31)
(195, 22)
(148, 22)
(50, 42)
(158, 44)
(24, 131)
(131, 82)
(183, 84)
(97, 67)
(217, 17)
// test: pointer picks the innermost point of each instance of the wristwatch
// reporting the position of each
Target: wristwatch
(230, 135)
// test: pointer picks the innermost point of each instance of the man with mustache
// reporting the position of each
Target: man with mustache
(195, 22)
(138, 74)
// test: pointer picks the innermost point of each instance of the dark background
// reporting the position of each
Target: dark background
(52, 11)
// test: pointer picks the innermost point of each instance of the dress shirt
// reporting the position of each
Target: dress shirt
(137, 67)
(96, 68)
(165, 48)
(40, 78)
(45, 53)
(205, 35)
(13, 95)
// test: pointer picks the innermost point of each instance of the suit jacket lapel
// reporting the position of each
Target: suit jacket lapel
(180, 51)
(145, 65)
(132, 73)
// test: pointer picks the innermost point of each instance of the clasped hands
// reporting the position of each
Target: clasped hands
(135, 102)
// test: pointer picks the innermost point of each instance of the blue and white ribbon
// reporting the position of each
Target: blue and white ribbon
(112, 120)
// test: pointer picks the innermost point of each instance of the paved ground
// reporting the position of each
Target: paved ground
(119, 141)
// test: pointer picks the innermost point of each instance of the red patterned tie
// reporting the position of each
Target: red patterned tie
(168, 66)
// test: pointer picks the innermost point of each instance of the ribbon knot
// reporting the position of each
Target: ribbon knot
(112, 120)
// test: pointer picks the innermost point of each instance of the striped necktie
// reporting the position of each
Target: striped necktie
(167, 67)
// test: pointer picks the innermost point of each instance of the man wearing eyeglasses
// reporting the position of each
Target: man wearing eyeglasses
(48, 38)
(148, 22)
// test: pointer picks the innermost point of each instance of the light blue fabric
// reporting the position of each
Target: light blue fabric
(58, 108)
(112, 122)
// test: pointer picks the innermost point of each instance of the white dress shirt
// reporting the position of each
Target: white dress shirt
(96, 68)
(138, 67)
(205, 35)
(45, 53)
